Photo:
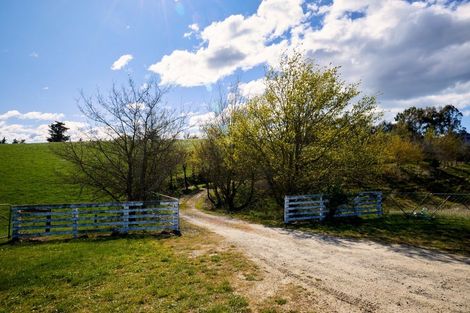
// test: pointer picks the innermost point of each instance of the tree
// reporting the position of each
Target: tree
(230, 175)
(3, 141)
(449, 121)
(57, 132)
(414, 120)
(188, 159)
(306, 134)
(401, 150)
(442, 148)
(15, 141)
(443, 120)
(131, 147)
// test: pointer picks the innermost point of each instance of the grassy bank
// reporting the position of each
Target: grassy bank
(30, 174)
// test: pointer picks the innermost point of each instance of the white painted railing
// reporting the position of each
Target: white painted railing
(313, 207)
(306, 207)
(29, 221)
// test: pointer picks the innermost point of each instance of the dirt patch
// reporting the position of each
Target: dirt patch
(341, 275)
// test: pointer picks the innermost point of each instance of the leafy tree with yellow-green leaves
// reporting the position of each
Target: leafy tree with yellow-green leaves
(400, 150)
(227, 167)
(309, 131)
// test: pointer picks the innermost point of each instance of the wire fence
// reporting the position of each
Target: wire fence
(428, 205)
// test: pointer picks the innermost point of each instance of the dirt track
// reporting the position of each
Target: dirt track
(348, 275)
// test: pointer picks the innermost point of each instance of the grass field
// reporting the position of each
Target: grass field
(30, 174)
(175, 274)
(105, 274)
(194, 272)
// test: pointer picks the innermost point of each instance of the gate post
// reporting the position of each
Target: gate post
(14, 224)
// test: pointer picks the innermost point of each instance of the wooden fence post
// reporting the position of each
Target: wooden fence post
(75, 223)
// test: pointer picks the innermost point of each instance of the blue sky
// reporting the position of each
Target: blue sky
(408, 53)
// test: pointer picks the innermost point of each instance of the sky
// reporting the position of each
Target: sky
(408, 53)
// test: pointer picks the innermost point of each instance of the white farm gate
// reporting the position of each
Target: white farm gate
(30, 221)
(313, 207)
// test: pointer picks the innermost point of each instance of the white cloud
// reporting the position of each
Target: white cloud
(407, 52)
(45, 88)
(31, 115)
(31, 130)
(39, 133)
(121, 62)
(196, 120)
(252, 88)
(9, 114)
(41, 116)
(34, 55)
(199, 119)
(400, 49)
(236, 42)
(457, 95)
(194, 29)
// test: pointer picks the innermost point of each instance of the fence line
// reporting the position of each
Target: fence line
(30, 221)
(313, 207)
(427, 204)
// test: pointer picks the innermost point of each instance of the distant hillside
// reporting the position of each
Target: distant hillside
(29, 175)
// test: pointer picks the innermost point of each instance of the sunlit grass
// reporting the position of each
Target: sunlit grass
(122, 275)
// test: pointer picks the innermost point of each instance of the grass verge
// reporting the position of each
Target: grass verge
(129, 274)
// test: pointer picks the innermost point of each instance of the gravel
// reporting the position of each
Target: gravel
(347, 275)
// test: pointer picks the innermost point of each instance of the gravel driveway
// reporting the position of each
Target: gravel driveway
(348, 275)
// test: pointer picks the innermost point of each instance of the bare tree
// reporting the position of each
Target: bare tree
(131, 143)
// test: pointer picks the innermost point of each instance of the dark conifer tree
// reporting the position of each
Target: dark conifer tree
(57, 132)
